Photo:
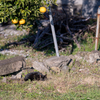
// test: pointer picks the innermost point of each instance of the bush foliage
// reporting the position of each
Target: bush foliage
(18, 9)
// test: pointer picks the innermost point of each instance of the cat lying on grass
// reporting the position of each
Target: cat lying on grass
(35, 76)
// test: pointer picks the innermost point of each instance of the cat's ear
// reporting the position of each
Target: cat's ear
(45, 75)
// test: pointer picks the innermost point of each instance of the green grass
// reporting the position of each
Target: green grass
(3, 57)
(59, 86)
(85, 46)
(20, 92)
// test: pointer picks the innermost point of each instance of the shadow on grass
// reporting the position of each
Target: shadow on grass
(27, 41)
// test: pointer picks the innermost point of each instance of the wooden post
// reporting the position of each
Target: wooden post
(97, 29)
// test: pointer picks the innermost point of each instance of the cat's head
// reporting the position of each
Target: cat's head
(44, 77)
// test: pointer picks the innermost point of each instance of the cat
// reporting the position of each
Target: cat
(35, 76)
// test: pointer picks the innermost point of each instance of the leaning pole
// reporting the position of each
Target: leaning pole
(53, 31)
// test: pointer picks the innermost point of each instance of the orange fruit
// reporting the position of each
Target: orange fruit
(14, 21)
(42, 9)
(22, 21)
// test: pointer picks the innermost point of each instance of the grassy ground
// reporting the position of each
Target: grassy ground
(72, 85)
(87, 45)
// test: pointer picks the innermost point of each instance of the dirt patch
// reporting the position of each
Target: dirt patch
(91, 80)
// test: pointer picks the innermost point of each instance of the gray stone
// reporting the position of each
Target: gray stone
(57, 64)
(86, 7)
(13, 77)
(11, 65)
(78, 57)
(65, 69)
(39, 66)
(28, 70)
(55, 69)
(19, 75)
(93, 58)
(11, 30)
(57, 61)
(90, 7)
(15, 52)
(4, 79)
(89, 57)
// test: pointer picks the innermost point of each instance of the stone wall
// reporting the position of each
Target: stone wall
(75, 2)
(86, 7)
(90, 7)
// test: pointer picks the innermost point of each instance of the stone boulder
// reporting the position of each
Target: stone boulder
(39, 66)
(12, 65)
(89, 57)
(94, 57)
(9, 30)
(55, 69)
(61, 62)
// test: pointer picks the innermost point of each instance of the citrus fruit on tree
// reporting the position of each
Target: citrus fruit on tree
(42, 9)
(22, 21)
(27, 9)
(14, 21)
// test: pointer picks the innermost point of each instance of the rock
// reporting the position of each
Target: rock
(26, 70)
(13, 77)
(39, 66)
(12, 65)
(56, 69)
(29, 70)
(14, 52)
(57, 61)
(92, 58)
(10, 30)
(89, 57)
(19, 75)
(65, 69)
(78, 56)
(4, 80)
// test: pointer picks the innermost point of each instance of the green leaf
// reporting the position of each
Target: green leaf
(27, 9)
